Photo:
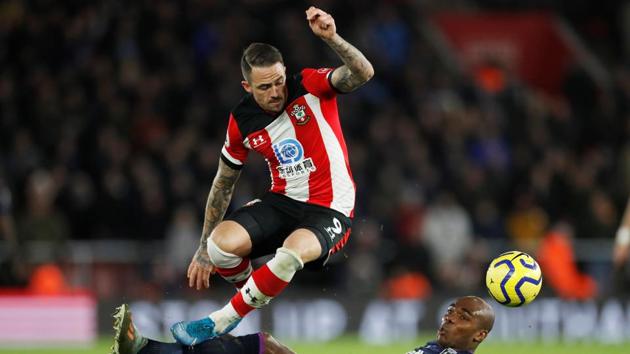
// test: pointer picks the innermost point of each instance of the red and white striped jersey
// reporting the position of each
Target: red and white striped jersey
(303, 145)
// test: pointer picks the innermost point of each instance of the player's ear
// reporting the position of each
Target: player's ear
(246, 86)
(480, 336)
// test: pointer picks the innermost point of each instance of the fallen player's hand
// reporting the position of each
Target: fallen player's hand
(200, 269)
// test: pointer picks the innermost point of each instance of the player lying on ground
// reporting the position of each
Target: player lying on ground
(127, 340)
(465, 325)
(294, 124)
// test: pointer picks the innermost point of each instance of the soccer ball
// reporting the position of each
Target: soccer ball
(514, 279)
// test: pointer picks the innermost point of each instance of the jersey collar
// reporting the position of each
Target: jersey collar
(439, 349)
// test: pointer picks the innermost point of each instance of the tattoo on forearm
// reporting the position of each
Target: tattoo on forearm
(218, 199)
(202, 258)
(357, 69)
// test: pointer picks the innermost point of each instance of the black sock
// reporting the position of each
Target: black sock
(155, 347)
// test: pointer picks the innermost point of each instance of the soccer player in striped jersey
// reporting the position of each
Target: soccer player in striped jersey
(306, 216)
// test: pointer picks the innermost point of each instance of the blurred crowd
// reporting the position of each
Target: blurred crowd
(113, 114)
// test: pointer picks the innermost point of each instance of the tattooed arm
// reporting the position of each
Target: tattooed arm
(357, 69)
(218, 201)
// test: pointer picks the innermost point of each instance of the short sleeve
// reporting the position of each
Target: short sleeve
(234, 152)
(317, 82)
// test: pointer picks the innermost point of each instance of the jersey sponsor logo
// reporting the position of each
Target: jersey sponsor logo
(290, 153)
(298, 112)
(258, 141)
(295, 170)
(416, 351)
(335, 230)
(448, 351)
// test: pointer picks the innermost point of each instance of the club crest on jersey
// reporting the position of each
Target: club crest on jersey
(299, 113)
(290, 153)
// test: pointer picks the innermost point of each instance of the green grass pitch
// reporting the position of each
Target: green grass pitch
(350, 345)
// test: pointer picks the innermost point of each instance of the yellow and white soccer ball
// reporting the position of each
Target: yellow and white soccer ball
(514, 279)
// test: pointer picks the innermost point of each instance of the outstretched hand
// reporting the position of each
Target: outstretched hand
(200, 269)
(321, 23)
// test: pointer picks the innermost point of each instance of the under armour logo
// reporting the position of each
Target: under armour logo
(258, 140)
(252, 298)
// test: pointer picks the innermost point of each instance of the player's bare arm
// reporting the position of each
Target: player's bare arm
(621, 251)
(357, 69)
(218, 201)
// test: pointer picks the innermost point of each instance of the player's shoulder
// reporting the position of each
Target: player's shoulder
(306, 72)
(249, 117)
(245, 108)
(314, 74)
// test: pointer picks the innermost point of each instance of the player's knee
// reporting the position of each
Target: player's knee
(221, 258)
(231, 238)
(289, 258)
(305, 244)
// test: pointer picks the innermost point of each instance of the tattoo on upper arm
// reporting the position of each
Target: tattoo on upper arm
(357, 69)
(344, 81)
(218, 198)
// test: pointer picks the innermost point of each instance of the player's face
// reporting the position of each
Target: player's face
(268, 86)
(460, 326)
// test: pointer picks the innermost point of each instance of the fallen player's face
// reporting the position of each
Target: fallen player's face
(268, 86)
(458, 326)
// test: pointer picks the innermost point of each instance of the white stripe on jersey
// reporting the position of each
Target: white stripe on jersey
(280, 129)
(342, 186)
(230, 157)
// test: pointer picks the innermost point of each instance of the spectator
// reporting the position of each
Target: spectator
(557, 262)
(448, 235)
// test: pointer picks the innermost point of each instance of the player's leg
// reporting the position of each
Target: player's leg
(250, 228)
(228, 248)
(321, 232)
(269, 280)
(128, 340)
(255, 230)
(251, 343)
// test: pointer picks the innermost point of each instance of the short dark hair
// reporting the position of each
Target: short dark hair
(259, 54)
